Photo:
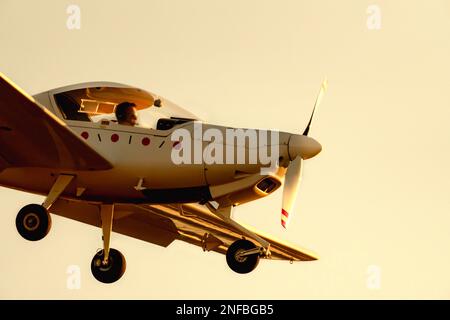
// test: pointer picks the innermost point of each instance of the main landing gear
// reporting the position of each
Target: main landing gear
(33, 223)
(111, 270)
(108, 265)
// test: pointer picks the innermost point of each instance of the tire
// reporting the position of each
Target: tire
(244, 264)
(33, 222)
(111, 272)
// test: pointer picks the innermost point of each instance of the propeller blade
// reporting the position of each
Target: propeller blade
(290, 189)
(300, 147)
(323, 88)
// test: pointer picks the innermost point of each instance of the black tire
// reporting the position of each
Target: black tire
(111, 272)
(245, 264)
(33, 222)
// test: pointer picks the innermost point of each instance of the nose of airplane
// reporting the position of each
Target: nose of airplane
(303, 146)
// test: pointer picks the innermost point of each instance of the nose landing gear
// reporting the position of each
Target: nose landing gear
(243, 256)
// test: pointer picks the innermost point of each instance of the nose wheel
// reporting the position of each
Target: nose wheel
(242, 256)
(108, 270)
(33, 222)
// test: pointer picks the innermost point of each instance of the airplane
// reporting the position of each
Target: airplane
(67, 145)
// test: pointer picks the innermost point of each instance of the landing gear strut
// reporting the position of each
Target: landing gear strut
(243, 255)
(108, 265)
(33, 221)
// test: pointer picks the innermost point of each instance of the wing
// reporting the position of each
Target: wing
(162, 224)
(197, 225)
(31, 136)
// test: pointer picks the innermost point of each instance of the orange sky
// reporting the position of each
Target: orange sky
(377, 195)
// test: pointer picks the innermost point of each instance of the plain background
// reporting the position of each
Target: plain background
(376, 197)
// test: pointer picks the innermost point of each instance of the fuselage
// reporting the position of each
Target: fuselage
(146, 169)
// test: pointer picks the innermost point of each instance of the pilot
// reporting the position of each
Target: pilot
(126, 114)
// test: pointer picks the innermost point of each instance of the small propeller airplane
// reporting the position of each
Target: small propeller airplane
(67, 145)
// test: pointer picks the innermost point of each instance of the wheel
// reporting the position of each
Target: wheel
(33, 222)
(111, 272)
(244, 264)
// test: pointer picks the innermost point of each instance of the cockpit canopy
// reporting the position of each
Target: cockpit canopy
(97, 103)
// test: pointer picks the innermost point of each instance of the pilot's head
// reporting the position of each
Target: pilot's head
(126, 113)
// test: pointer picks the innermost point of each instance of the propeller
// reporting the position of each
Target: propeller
(323, 88)
(300, 147)
(290, 189)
